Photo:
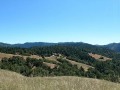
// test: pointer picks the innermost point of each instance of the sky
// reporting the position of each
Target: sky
(89, 21)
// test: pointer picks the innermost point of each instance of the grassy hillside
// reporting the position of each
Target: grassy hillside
(49, 59)
(5, 55)
(99, 57)
(13, 81)
(79, 65)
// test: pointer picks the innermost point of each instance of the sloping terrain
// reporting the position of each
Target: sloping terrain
(86, 67)
(99, 57)
(4, 55)
(51, 58)
(13, 81)
(113, 46)
(50, 65)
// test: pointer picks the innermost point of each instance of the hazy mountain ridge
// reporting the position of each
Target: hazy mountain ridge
(40, 44)
(27, 44)
(112, 46)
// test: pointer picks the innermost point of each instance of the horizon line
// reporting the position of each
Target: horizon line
(56, 42)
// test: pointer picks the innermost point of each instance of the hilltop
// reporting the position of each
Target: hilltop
(113, 46)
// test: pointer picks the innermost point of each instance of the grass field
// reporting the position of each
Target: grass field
(79, 65)
(13, 81)
(5, 55)
(98, 57)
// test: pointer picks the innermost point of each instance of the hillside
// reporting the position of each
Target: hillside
(13, 81)
(99, 57)
(113, 46)
(49, 61)
(105, 50)
(67, 59)
(5, 55)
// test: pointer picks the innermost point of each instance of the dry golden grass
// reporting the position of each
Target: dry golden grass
(4, 55)
(79, 65)
(97, 57)
(13, 81)
(50, 65)
(52, 58)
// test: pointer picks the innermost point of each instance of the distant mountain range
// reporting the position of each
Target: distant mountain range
(27, 45)
(112, 46)
(41, 44)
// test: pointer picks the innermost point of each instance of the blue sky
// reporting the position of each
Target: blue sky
(90, 21)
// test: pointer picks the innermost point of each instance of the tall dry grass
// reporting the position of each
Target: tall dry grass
(13, 81)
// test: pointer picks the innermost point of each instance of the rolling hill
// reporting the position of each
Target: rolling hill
(13, 81)
(113, 46)
(48, 60)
